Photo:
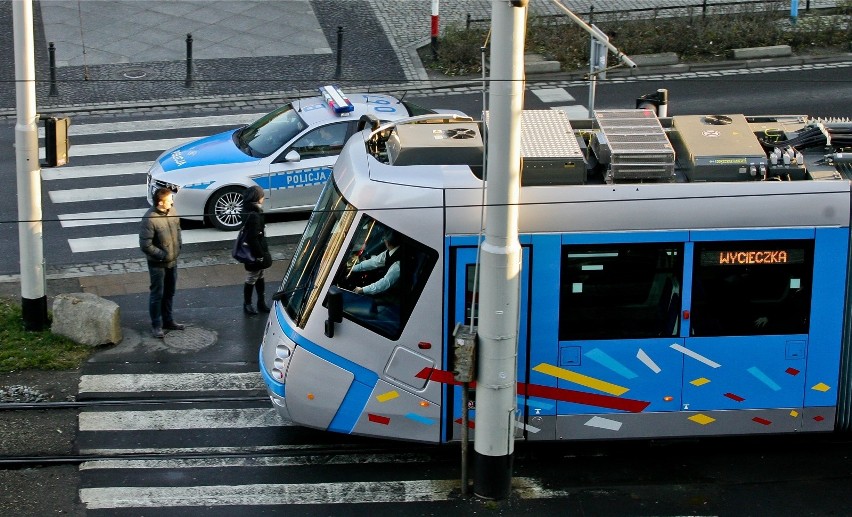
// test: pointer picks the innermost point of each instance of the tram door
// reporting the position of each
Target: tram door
(749, 330)
(464, 305)
(608, 333)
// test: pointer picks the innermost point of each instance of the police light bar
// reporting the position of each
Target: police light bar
(336, 100)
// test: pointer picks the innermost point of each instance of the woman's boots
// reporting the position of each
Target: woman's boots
(248, 307)
(260, 286)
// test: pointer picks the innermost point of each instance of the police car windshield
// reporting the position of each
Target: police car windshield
(270, 132)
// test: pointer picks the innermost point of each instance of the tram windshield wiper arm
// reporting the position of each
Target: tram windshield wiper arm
(281, 294)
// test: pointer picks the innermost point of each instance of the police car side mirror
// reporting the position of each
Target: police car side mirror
(292, 156)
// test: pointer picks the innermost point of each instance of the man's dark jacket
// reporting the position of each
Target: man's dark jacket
(159, 237)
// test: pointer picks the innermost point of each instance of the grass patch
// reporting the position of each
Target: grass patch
(692, 37)
(23, 350)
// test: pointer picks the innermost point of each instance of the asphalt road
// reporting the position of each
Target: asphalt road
(784, 476)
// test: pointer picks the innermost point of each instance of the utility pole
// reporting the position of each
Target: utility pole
(496, 380)
(33, 299)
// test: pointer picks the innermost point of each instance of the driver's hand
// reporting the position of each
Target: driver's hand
(357, 290)
(761, 322)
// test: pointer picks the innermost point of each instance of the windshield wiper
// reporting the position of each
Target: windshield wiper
(241, 144)
(281, 294)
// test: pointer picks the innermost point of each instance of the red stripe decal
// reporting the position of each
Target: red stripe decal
(581, 397)
(734, 397)
(792, 371)
(819, 418)
(378, 419)
(547, 392)
(762, 420)
(435, 375)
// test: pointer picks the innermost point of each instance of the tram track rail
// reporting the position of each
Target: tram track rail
(319, 451)
(11, 462)
(82, 404)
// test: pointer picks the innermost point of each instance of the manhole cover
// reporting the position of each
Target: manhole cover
(191, 339)
(137, 73)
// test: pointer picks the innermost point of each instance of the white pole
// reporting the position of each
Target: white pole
(496, 381)
(33, 299)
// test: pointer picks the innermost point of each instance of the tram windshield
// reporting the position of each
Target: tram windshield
(320, 244)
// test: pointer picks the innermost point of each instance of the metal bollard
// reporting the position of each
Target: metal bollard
(51, 52)
(188, 81)
(337, 69)
(434, 32)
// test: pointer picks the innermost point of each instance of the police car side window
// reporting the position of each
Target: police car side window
(325, 140)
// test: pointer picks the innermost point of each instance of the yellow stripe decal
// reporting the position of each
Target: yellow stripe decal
(582, 380)
(384, 397)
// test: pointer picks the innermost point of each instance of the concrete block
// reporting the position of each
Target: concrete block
(542, 67)
(86, 318)
(759, 52)
(663, 58)
(536, 64)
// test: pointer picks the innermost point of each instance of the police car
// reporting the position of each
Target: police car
(289, 152)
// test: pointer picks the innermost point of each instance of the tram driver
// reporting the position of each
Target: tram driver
(387, 263)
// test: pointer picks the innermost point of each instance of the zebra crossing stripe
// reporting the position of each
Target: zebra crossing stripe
(350, 492)
(94, 171)
(96, 218)
(129, 146)
(244, 449)
(98, 193)
(158, 124)
(140, 383)
(255, 461)
(172, 419)
(549, 95)
(201, 235)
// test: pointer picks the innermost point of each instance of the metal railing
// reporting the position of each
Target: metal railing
(705, 6)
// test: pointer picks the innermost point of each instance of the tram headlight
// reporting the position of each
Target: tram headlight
(282, 359)
(283, 351)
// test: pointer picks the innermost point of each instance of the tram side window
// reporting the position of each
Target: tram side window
(752, 288)
(620, 291)
(383, 276)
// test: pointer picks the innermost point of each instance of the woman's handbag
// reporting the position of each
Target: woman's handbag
(242, 251)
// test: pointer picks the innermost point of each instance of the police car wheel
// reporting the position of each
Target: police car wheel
(225, 209)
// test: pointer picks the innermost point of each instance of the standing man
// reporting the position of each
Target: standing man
(159, 238)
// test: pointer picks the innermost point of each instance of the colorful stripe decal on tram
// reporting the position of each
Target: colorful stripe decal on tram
(547, 392)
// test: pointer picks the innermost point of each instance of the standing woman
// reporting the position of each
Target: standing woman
(255, 237)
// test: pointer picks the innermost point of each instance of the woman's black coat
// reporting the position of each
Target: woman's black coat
(255, 235)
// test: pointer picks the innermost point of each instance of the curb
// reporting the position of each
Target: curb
(431, 85)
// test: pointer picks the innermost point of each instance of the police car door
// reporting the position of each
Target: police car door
(298, 173)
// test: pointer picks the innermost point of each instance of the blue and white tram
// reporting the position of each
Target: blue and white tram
(701, 291)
